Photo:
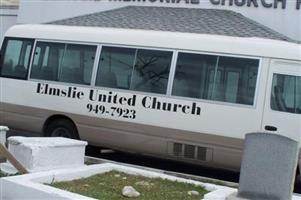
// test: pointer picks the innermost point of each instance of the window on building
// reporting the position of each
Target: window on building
(218, 78)
(134, 69)
(16, 58)
(69, 63)
(286, 93)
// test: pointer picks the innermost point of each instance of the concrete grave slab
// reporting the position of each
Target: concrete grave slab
(32, 186)
(42, 154)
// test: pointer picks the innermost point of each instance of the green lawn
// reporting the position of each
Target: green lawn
(2, 174)
(108, 186)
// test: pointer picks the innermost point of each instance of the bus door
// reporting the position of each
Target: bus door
(282, 111)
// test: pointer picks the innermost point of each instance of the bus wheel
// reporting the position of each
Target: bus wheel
(62, 128)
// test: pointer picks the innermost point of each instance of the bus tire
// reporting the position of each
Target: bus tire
(61, 128)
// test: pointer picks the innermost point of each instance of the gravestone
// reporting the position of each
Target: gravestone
(268, 167)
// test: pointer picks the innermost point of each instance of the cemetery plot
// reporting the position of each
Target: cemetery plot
(111, 184)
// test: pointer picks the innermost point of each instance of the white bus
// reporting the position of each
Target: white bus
(180, 96)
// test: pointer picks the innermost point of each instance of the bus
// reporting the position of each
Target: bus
(180, 96)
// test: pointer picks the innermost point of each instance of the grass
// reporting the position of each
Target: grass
(108, 186)
(2, 174)
(89, 163)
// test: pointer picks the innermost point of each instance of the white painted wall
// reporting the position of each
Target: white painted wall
(8, 17)
(286, 21)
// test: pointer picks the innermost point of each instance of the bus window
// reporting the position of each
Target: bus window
(16, 58)
(134, 69)
(218, 78)
(115, 67)
(239, 79)
(77, 64)
(191, 73)
(46, 60)
(151, 71)
(63, 62)
(286, 93)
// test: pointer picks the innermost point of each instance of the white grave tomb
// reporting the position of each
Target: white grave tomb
(42, 154)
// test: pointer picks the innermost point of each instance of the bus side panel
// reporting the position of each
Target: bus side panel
(227, 120)
(131, 137)
(21, 118)
(224, 152)
(149, 129)
(283, 99)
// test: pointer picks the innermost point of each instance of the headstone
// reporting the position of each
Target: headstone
(268, 167)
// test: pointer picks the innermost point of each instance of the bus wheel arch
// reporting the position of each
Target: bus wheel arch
(60, 126)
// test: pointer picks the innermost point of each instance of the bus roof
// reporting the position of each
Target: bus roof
(259, 47)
